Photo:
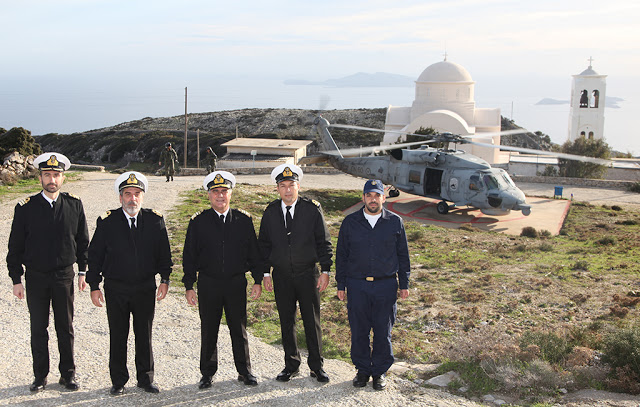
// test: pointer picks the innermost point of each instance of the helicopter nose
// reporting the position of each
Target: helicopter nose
(515, 199)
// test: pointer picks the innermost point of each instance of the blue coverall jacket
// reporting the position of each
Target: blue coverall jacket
(364, 251)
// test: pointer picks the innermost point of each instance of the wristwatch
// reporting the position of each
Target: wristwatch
(165, 281)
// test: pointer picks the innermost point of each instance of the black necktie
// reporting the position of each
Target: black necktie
(288, 220)
(222, 221)
(133, 224)
(53, 206)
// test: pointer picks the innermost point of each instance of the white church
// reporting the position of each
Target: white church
(444, 100)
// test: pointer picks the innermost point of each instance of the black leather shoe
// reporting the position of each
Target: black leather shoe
(116, 390)
(286, 375)
(320, 375)
(205, 382)
(38, 385)
(360, 380)
(149, 388)
(248, 379)
(379, 382)
(69, 384)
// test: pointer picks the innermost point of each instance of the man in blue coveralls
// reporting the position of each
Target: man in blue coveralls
(372, 260)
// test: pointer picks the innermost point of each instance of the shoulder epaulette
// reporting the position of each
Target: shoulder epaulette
(24, 201)
(105, 215)
(156, 212)
(313, 201)
(73, 196)
(244, 212)
(277, 201)
(195, 214)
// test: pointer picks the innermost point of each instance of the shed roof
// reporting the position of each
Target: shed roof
(267, 143)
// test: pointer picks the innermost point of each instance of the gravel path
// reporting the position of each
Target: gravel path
(176, 339)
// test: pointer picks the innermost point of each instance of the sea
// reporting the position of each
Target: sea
(67, 105)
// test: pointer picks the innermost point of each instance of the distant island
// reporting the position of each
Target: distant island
(361, 80)
(611, 102)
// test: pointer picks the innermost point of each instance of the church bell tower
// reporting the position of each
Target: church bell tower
(586, 114)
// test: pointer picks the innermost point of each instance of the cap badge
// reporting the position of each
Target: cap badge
(53, 161)
(218, 180)
(287, 172)
(132, 179)
(373, 183)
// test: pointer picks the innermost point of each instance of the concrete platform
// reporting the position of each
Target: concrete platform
(546, 214)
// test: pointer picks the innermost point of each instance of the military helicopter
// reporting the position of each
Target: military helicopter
(448, 175)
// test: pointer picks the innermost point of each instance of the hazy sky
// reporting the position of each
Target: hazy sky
(94, 44)
(328, 38)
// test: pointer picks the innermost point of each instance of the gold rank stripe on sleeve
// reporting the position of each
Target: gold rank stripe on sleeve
(24, 201)
(195, 214)
(105, 215)
(156, 212)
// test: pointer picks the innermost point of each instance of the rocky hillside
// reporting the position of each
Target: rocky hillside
(142, 140)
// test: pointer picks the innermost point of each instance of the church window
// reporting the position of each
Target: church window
(457, 94)
(582, 134)
(584, 98)
(428, 92)
(595, 97)
(590, 135)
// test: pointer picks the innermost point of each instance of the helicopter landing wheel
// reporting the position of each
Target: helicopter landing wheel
(442, 207)
(393, 193)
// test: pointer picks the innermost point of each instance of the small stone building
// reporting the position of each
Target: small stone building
(259, 152)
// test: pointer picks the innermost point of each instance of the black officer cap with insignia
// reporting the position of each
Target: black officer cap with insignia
(131, 179)
(52, 162)
(286, 172)
(219, 179)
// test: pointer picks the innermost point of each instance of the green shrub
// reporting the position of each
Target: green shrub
(622, 348)
(635, 187)
(529, 231)
(606, 241)
(553, 348)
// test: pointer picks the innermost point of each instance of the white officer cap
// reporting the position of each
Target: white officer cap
(217, 179)
(286, 172)
(52, 162)
(131, 179)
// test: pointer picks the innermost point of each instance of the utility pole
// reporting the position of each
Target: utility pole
(198, 146)
(186, 121)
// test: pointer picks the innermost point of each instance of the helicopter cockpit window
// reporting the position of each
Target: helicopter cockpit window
(491, 182)
(474, 183)
(507, 179)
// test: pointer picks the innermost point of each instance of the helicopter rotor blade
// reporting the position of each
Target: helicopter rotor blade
(481, 135)
(373, 149)
(542, 152)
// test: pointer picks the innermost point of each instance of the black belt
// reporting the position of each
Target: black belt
(379, 278)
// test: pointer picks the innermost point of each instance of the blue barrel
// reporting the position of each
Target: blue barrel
(557, 192)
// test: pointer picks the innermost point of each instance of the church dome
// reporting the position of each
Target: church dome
(445, 71)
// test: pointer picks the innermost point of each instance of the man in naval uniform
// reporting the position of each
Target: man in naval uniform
(294, 239)
(129, 247)
(372, 260)
(220, 247)
(49, 233)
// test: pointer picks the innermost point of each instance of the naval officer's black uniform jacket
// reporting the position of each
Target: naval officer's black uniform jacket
(47, 242)
(217, 256)
(294, 259)
(128, 261)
